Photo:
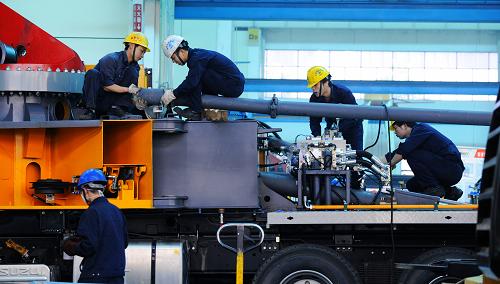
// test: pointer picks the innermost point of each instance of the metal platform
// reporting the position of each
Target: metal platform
(41, 81)
(372, 217)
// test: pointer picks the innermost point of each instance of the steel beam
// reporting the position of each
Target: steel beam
(40, 81)
(278, 10)
(378, 87)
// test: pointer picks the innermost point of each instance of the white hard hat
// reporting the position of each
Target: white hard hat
(170, 45)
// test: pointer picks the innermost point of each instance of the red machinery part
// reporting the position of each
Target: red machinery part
(35, 48)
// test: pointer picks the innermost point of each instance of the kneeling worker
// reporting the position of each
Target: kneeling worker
(210, 73)
(433, 158)
(108, 88)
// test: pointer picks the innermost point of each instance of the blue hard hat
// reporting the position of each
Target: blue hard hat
(92, 177)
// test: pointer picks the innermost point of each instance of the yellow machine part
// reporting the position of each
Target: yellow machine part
(31, 154)
(481, 279)
(17, 247)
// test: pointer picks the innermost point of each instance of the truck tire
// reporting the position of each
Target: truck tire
(433, 256)
(303, 262)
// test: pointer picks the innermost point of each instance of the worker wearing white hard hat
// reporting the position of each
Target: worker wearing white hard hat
(210, 73)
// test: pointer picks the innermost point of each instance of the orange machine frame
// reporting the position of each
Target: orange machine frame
(29, 154)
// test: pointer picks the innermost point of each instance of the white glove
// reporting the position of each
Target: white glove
(139, 102)
(133, 89)
(167, 97)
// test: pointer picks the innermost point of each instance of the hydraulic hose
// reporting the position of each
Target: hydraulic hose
(375, 160)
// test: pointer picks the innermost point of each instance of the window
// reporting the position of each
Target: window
(384, 66)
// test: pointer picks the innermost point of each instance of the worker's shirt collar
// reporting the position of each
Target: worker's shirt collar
(124, 58)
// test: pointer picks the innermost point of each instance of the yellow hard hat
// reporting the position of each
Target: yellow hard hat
(316, 74)
(137, 38)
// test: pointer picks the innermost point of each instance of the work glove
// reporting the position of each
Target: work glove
(139, 102)
(70, 245)
(133, 89)
(388, 157)
(167, 97)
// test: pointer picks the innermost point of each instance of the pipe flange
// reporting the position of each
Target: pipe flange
(274, 107)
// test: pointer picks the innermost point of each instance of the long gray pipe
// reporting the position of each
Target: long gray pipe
(349, 111)
(153, 96)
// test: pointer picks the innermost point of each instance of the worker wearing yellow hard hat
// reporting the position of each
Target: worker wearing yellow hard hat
(326, 91)
(137, 38)
(108, 89)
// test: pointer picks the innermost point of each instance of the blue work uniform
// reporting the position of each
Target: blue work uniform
(103, 232)
(113, 68)
(351, 129)
(210, 73)
(433, 158)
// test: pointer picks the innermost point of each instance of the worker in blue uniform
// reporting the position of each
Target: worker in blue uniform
(210, 73)
(108, 89)
(325, 91)
(434, 159)
(101, 236)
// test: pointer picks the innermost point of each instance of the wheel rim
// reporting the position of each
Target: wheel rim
(306, 277)
(442, 279)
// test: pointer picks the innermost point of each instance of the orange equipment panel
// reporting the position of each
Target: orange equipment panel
(36, 152)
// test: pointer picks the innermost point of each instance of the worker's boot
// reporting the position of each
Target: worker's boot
(435, 190)
(82, 113)
(116, 111)
(188, 113)
(453, 193)
(215, 114)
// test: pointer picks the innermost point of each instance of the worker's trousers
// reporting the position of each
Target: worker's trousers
(354, 135)
(432, 170)
(101, 101)
(212, 83)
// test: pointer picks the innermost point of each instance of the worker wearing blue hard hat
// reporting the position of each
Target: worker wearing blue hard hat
(210, 73)
(101, 236)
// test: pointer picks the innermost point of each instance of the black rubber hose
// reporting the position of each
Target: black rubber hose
(362, 153)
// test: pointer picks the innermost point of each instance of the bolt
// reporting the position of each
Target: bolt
(49, 69)
(58, 70)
